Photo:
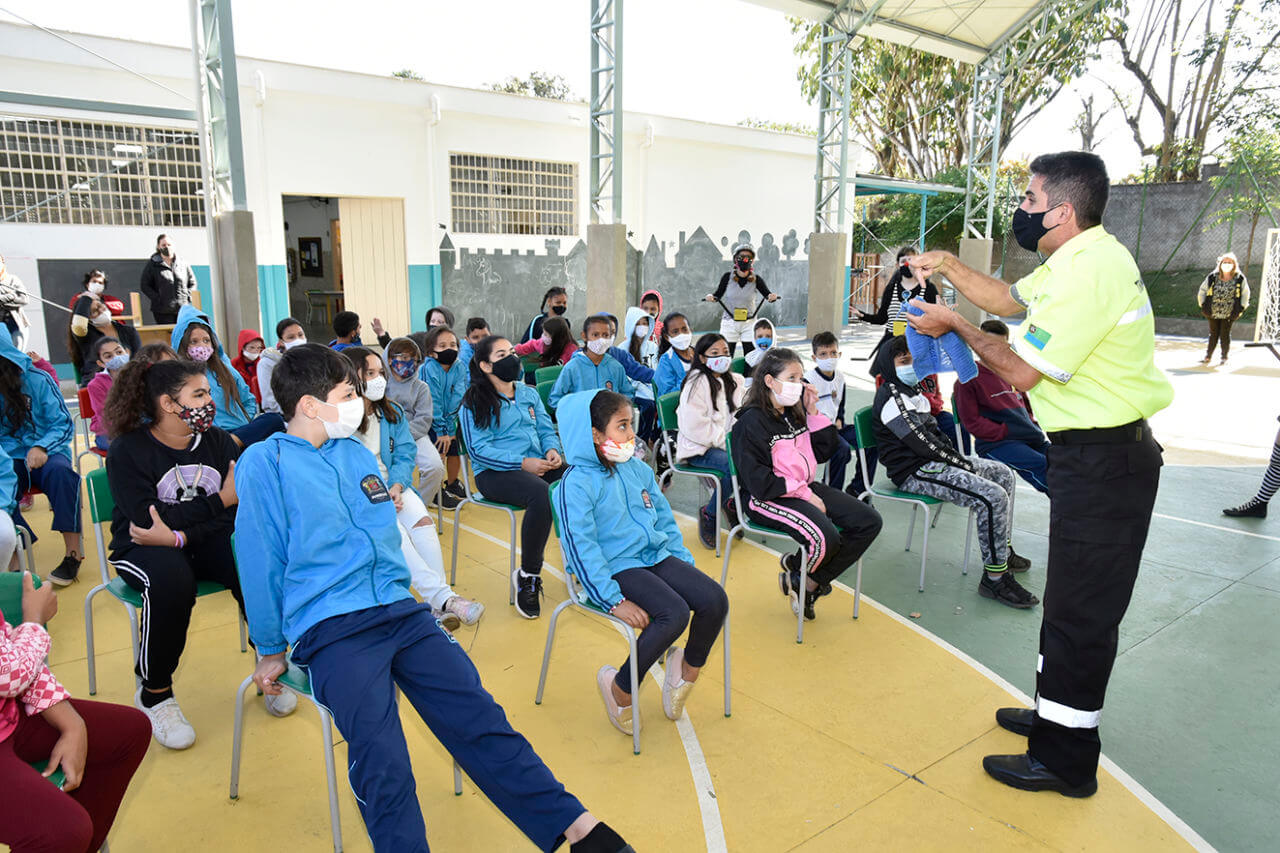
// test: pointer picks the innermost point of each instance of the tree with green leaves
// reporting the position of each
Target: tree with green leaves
(778, 126)
(1201, 67)
(910, 109)
(407, 74)
(1251, 182)
(538, 84)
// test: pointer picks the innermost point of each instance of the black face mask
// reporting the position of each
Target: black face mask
(744, 265)
(1028, 228)
(507, 369)
(447, 356)
(166, 251)
(558, 309)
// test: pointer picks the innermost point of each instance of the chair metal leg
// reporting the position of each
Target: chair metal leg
(244, 636)
(28, 548)
(512, 574)
(924, 551)
(801, 593)
(134, 633)
(546, 654)
(857, 589)
(635, 691)
(728, 549)
(937, 514)
(457, 779)
(727, 686)
(88, 637)
(335, 818)
(719, 513)
(911, 528)
(968, 542)
(237, 736)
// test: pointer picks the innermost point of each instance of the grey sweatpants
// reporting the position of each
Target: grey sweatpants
(989, 490)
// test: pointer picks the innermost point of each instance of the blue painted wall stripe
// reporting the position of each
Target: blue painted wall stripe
(273, 297)
(425, 291)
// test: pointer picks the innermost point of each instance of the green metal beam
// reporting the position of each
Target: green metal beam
(35, 100)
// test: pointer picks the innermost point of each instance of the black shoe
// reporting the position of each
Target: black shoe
(1027, 774)
(708, 533)
(731, 513)
(855, 489)
(456, 489)
(1017, 562)
(1007, 591)
(1016, 720)
(789, 580)
(602, 839)
(65, 573)
(448, 500)
(810, 596)
(1250, 509)
(528, 595)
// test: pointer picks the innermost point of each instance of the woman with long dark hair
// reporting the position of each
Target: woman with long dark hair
(515, 453)
(91, 322)
(554, 346)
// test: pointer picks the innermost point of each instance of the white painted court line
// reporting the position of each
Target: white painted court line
(708, 805)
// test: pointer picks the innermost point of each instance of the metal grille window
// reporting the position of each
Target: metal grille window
(67, 171)
(510, 195)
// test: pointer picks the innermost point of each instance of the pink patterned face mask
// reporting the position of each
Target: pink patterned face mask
(199, 353)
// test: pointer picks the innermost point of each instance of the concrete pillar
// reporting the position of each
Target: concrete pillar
(606, 269)
(828, 258)
(236, 292)
(975, 252)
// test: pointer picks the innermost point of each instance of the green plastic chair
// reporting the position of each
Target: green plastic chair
(548, 374)
(101, 506)
(475, 497)
(739, 365)
(746, 525)
(867, 439)
(668, 419)
(544, 391)
(578, 599)
(528, 364)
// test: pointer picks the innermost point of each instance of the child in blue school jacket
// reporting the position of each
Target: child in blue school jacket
(621, 542)
(593, 367)
(446, 377)
(322, 574)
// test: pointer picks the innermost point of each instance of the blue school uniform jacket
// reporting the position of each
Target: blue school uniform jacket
(316, 536)
(523, 429)
(8, 484)
(398, 453)
(50, 425)
(447, 388)
(227, 416)
(580, 374)
(632, 368)
(609, 520)
(670, 373)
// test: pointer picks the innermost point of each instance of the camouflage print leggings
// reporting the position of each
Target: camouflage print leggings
(989, 490)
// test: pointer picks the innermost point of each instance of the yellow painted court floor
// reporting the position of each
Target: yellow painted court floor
(869, 735)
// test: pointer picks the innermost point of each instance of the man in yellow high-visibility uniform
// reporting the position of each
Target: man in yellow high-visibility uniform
(1086, 357)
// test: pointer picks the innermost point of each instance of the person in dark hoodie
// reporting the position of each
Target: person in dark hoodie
(919, 459)
(779, 439)
(998, 416)
(621, 542)
(167, 282)
(317, 524)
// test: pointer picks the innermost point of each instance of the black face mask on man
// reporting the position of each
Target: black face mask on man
(1029, 228)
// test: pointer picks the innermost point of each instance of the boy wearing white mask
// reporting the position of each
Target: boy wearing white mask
(289, 333)
(779, 440)
(829, 382)
(593, 367)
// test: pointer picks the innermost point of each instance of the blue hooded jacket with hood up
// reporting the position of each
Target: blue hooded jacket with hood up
(226, 416)
(50, 425)
(316, 536)
(609, 520)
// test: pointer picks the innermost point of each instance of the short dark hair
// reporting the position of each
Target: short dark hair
(445, 314)
(102, 342)
(345, 323)
(476, 323)
(898, 346)
(91, 274)
(824, 339)
(650, 297)
(161, 237)
(1076, 177)
(309, 369)
(286, 323)
(593, 320)
(995, 327)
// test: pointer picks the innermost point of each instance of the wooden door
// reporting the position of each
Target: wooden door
(374, 265)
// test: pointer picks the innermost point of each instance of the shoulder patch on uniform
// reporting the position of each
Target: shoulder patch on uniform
(648, 501)
(374, 489)
(1037, 336)
(608, 385)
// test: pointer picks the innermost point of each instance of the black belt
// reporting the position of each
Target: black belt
(1127, 434)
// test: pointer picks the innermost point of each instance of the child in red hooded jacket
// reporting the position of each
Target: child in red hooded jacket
(249, 347)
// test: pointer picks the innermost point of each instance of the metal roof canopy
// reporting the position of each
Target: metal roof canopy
(865, 184)
(966, 30)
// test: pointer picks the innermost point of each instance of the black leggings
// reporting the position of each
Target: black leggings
(667, 592)
(1219, 331)
(830, 542)
(167, 579)
(534, 494)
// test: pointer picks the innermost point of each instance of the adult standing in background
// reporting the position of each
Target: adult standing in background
(1223, 297)
(736, 293)
(167, 282)
(1085, 355)
(95, 286)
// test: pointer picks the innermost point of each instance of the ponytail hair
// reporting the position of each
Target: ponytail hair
(131, 403)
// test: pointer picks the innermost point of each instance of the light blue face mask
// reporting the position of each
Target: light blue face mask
(117, 362)
(764, 343)
(907, 374)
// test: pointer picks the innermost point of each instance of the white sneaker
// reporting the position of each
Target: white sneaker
(619, 716)
(465, 609)
(675, 690)
(281, 706)
(170, 728)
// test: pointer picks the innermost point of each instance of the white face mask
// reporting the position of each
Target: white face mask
(288, 345)
(599, 346)
(251, 356)
(828, 365)
(96, 287)
(719, 363)
(681, 342)
(103, 319)
(790, 393)
(376, 388)
(618, 453)
(350, 414)
(753, 357)
(642, 330)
